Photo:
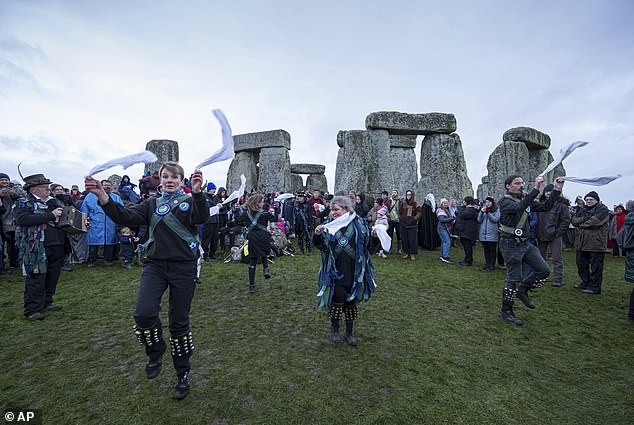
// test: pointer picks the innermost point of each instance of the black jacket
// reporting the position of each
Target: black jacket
(511, 211)
(553, 223)
(467, 225)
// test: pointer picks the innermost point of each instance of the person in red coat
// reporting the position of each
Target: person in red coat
(619, 218)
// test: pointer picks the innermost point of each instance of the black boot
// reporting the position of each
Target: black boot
(522, 295)
(334, 331)
(251, 279)
(300, 243)
(267, 275)
(310, 248)
(155, 346)
(508, 299)
(349, 336)
(182, 386)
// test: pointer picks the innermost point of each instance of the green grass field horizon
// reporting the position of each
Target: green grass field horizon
(432, 350)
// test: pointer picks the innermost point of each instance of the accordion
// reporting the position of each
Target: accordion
(73, 220)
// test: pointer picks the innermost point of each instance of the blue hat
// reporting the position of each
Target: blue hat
(210, 186)
(4, 176)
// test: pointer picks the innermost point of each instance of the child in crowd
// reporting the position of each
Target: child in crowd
(127, 241)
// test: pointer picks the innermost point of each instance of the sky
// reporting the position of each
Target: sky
(83, 82)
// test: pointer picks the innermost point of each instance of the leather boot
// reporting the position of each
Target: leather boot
(251, 279)
(334, 331)
(508, 299)
(522, 295)
(349, 336)
(506, 313)
(267, 275)
(182, 386)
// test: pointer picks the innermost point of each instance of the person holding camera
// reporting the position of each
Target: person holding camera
(41, 246)
(488, 217)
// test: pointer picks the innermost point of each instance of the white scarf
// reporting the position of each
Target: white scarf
(339, 222)
(563, 154)
(125, 161)
(381, 233)
(226, 151)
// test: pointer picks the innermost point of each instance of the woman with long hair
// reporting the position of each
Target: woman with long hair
(488, 217)
(444, 221)
(258, 237)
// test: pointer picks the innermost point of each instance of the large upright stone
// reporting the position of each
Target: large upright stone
(506, 159)
(443, 168)
(533, 139)
(297, 183)
(538, 161)
(402, 123)
(308, 169)
(263, 139)
(165, 150)
(403, 170)
(243, 163)
(317, 181)
(115, 180)
(275, 170)
(353, 159)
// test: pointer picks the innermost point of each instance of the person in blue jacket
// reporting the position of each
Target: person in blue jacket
(102, 231)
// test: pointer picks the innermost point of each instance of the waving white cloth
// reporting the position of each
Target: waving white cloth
(381, 233)
(339, 222)
(125, 162)
(284, 196)
(592, 181)
(226, 151)
(236, 194)
(563, 154)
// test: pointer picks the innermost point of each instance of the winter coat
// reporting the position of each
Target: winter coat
(592, 228)
(489, 225)
(409, 214)
(102, 231)
(444, 220)
(629, 254)
(553, 223)
(467, 223)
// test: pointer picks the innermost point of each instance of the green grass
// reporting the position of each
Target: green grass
(431, 350)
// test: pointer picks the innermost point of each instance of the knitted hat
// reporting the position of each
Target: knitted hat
(210, 186)
(592, 194)
(549, 188)
(35, 180)
(4, 176)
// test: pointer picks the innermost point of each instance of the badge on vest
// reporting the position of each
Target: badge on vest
(519, 233)
(343, 241)
(184, 206)
(162, 209)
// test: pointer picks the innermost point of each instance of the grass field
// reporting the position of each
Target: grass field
(432, 350)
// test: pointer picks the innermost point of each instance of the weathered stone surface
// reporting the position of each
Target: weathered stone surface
(308, 169)
(165, 150)
(244, 163)
(443, 168)
(317, 181)
(297, 183)
(533, 139)
(262, 139)
(506, 159)
(413, 124)
(538, 161)
(403, 170)
(402, 141)
(275, 170)
(367, 163)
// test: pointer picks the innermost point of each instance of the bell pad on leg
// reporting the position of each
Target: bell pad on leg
(351, 311)
(148, 337)
(182, 345)
(336, 311)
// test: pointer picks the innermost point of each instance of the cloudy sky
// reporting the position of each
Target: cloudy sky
(82, 82)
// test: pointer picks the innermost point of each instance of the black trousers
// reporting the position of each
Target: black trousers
(108, 252)
(210, 239)
(39, 288)
(12, 250)
(490, 252)
(467, 245)
(590, 269)
(393, 226)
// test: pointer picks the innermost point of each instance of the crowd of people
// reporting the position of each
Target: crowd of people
(173, 224)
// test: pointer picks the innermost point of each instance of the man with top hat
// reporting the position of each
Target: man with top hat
(515, 246)
(304, 223)
(41, 246)
(172, 249)
(591, 221)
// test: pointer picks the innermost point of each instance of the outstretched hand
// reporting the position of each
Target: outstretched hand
(538, 182)
(93, 186)
(559, 184)
(197, 181)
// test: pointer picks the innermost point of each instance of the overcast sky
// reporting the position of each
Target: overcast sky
(82, 82)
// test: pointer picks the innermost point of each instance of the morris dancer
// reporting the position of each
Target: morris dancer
(172, 252)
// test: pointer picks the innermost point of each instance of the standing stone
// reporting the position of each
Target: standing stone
(402, 123)
(403, 170)
(483, 188)
(539, 160)
(443, 168)
(353, 159)
(533, 139)
(507, 158)
(243, 163)
(275, 170)
(402, 141)
(317, 181)
(165, 150)
(297, 183)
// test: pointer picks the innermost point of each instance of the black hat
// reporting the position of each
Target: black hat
(35, 180)
(301, 193)
(549, 188)
(592, 194)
